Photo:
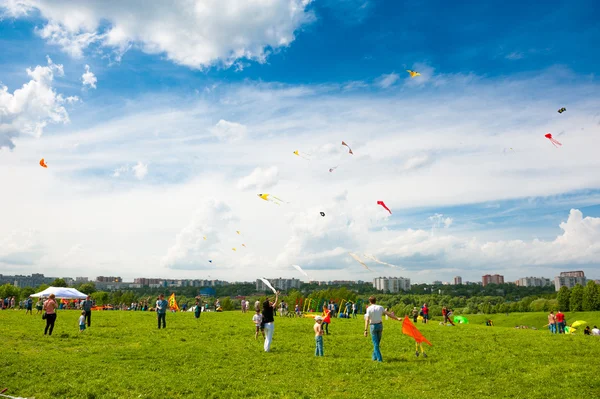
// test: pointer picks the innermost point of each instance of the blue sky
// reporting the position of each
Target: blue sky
(189, 117)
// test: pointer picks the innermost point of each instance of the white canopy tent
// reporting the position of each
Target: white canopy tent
(61, 292)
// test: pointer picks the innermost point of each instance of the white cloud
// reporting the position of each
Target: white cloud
(515, 55)
(88, 78)
(29, 109)
(140, 170)
(21, 248)
(196, 34)
(122, 169)
(260, 179)
(385, 81)
(465, 128)
(212, 220)
(229, 131)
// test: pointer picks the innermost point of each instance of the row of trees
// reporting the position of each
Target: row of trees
(578, 298)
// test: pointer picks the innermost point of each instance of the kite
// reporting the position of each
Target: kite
(43, 163)
(334, 168)
(356, 258)
(349, 149)
(553, 141)
(408, 328)
(302, 155)
(209, 261)
(237, 231)
(244, 245)
(413, 73)
(374, 259)
(264, 280)
(204, 238)
(563, 109)
(300, 270)
(322, 214)
(383, 205)
(271, 198)
(233, 249)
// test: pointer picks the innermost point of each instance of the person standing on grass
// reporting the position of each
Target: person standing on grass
(326, 319)
(198, 309)
(354, 310)
(87, 308)
(425, 313)
(161, 310)
(258, 322)
(374, 322)
(29, 306)
(39, 305)
(560, 322)
(415, 314)
(552, 322)
(268, 320)
(50, 307)
(318, 336)
(82, 321)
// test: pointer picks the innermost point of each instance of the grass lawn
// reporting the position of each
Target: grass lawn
(124, 355)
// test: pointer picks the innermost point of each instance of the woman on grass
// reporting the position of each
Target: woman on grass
(50, 307)
(268, 320)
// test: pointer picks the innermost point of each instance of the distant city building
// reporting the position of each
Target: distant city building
(21, 281)
(569, 279)
(282, 284)
(146, 281)
(109, 279)
(492, 279)
(457, 280)
(391, 284)
(533, 282)
(437, 282)
(81, 280)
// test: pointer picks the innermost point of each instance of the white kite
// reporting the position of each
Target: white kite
(374, 259)
(301, 271)
(356, 258)
(264, 280)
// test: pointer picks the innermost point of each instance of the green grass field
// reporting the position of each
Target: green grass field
(124, 355)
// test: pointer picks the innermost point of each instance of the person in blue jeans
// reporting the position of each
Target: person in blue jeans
(374, 321)
(161, 310)
(318, 336)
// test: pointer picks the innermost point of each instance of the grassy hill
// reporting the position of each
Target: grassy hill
(124, 355)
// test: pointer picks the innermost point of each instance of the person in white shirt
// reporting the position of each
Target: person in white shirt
(82, 321)
(373, 317)
(257, 319)
(595, 331)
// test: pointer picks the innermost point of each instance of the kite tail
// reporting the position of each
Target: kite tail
(555, 143)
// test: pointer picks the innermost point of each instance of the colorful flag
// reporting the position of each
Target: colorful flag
(173, 303)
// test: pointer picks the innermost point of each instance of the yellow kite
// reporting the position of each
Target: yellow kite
(173, 303)
(271, 198)
(413, 73)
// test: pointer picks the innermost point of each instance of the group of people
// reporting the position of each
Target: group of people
(50, 305)
(557, 322)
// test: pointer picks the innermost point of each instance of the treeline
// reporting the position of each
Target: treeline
(463, 299)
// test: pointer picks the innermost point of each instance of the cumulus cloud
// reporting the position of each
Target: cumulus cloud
(88, 78)
(416, 162)
(213, 219)
(21, 248)
(229, 131)
(196, 34)
(385, 81)
(29, 109)
(260, 179)
(140, 170)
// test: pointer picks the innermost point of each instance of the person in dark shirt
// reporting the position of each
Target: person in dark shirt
(268, 320)
(87, 306)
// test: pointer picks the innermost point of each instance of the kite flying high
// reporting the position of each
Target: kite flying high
(43, 163)
(383, 205)
(553, 141)
(413, 73)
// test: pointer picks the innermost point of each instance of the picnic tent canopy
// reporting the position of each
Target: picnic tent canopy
(61, 292)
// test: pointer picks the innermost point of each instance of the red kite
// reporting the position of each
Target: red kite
(383, 205)
(554, 142)
(408, 328)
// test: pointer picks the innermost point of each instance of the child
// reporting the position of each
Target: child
(318, 335)
(257, 319)
(82, 321)
(198, 309)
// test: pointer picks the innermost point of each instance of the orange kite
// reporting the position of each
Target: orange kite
(43, 163)
(408, 328)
